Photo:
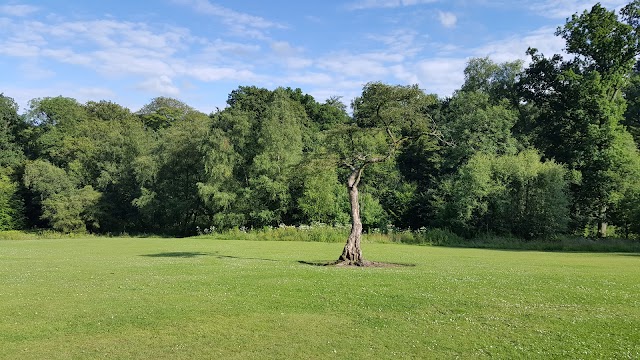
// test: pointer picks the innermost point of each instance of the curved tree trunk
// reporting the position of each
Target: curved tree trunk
(352, 253)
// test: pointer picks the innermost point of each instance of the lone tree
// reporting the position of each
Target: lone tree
(385, 118)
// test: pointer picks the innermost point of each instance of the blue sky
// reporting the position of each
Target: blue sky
(200, 50)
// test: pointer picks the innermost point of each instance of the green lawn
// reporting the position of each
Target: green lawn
(203, 298)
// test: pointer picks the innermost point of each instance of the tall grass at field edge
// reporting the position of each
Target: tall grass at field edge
(423, 236)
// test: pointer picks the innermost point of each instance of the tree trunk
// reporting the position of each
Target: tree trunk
(602, 222)
(352, 254)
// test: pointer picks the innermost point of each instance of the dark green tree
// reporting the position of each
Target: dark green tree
(11, 159)
(169, 175)
(580, 106)
(10, 125)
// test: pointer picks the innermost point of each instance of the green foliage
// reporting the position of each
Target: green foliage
(46, 179)
(112, 168)
(477, 126)
(66, 207)
(279, 149)
(11, 205)
(511, 194)
(169, 200)
(323, 199)
(497, 81)
(72, 212)
(373, 214)
(53, 121)
(254, 161)
(10, 150)
(581, 107)
(632, 113)
(163, 112)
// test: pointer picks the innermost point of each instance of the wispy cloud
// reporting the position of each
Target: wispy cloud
(155, 59)
(241, 23)
(447, 19)
(561, 9)
(515, 47)
(442, 75)
(160, 85)
(18, 10)
(372, 4)
(34, 71)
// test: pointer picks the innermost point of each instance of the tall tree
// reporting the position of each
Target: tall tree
(581, 106)
(384, 118)
(11, 157)
(255, 150)
(10, 151)
(632, 96)
(162, 112)
(169, 175)
(118, 139)
(498, 81)
(279, 149)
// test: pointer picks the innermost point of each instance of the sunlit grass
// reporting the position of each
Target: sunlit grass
(203, 298)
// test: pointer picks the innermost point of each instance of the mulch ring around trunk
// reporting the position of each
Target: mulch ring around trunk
(364, 263)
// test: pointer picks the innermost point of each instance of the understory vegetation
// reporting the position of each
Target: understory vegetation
(545, 152)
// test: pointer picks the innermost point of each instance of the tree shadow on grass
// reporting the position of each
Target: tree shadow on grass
(177, 254)
(365, 264)
(189, 254)
(241, 257)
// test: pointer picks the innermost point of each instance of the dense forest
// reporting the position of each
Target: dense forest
(527, 151)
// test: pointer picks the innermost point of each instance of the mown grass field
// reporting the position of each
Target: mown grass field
(201, 298)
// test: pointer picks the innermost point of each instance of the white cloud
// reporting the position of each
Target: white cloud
(403, 74)
(515, 47)
(228, 15)
(160, 85)
(442, 75)
(11, 48)
(404, 42)
(372, 4)
(562, 9)
(283, 48)
(366, 66)
(18, 10)
(241, 23)
(296, 62)
(65, 55)
(168, 60)
(211, 74)
(447, 19)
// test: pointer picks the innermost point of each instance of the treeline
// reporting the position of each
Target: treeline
(530, 152)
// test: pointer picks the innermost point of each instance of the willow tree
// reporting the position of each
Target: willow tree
(384, 119)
